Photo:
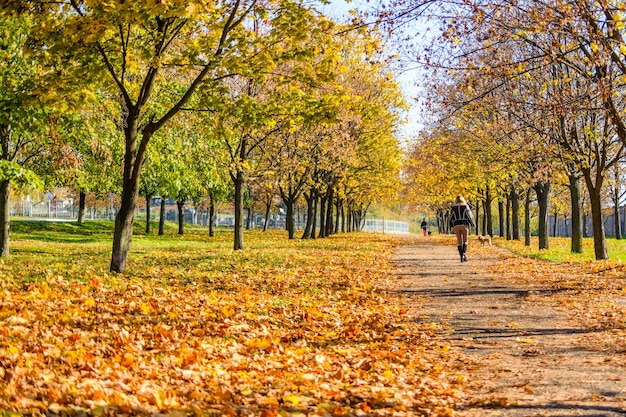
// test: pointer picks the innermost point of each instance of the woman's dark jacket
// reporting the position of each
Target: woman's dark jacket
(461, 214)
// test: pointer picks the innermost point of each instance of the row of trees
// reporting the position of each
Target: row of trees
(196, 100)
(525, 95)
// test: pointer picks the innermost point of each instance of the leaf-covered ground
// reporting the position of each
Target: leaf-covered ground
(193, 328)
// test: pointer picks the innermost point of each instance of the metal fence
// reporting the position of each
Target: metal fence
(65, 210)
(385, 226)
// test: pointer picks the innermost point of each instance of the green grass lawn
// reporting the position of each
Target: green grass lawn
(77, 251)
(560, 249)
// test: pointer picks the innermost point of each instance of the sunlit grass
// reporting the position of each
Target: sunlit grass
(40, 250)
(560, 249)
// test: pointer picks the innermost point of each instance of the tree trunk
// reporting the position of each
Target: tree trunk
(595, 197)
(515, 214)
(291, 221)
(542, 189)
(594, 189)
(314, 219)
(322, 232)
(438, 217)
(501, 218)
(162, 217)
(239, 185)
(527, 218)
(181, 216)
(484, 222)
(329, 212)
(349, 217)
(478, 232)
(337, 215)
(268, 207)
(133, 160)
(343, 218)
(249, 218)
(5, 217)
(599, 238)
(211, 215)
(123, 234)
(618, 220)
(488, 213)
(148, 198)
(554, 226)
(5, 192)
(81, 207)
(310, 215)
(507, 213)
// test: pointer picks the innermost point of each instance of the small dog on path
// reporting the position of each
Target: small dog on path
(484, 240)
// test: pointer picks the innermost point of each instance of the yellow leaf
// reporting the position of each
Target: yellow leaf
(227, 311)
(146, 308)
(291, 399)
(260, 342)
(159, 398)
(90, 302)
(13, 350)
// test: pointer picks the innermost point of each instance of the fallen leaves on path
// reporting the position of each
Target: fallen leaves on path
(593, 293)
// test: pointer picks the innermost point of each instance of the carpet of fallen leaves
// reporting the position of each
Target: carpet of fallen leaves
(193, 328)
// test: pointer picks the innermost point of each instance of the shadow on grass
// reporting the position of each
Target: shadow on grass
(90, 231)
(62, 232)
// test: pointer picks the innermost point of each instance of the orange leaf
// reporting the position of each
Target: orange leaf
(228, 411)
(268, 413)
(98, 395)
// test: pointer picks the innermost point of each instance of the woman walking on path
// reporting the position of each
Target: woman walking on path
(460, 221)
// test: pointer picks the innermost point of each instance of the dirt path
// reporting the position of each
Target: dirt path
(527, 356)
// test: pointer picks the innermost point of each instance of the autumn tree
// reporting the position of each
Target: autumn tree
(132, 47)
(535, 55)
(90, 135)
(23, 136)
